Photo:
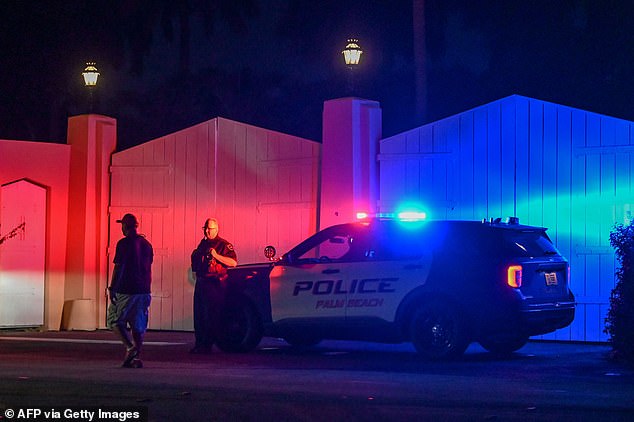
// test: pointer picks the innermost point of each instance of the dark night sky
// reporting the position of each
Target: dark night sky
(273, 63)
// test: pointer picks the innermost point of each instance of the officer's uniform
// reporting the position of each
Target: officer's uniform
(209, 292)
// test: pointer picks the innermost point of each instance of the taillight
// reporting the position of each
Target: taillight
(514, 276)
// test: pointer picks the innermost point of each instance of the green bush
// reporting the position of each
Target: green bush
(619, 323)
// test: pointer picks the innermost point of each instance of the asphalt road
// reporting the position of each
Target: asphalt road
(335, 381)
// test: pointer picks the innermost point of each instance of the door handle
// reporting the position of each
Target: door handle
(330, 271)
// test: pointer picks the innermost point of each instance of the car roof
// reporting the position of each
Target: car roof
(458, 224)
(435, 226)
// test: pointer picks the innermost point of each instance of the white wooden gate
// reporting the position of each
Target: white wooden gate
(550, 165)
(261, 185)
(23, 234)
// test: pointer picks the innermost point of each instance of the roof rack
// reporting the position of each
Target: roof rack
(514, 221)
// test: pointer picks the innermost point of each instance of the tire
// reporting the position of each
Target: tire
(504, 345)
(240, 328)
(439, 332)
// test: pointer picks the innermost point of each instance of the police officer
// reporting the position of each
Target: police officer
(210, 261)
(129, 290)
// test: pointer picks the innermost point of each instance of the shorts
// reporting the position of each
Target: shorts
(129, 309)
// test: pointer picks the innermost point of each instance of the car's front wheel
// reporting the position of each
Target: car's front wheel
(240, 328)
(438, 331)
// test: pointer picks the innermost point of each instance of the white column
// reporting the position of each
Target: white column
(349, 171)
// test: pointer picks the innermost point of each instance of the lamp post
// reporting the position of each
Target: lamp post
(352, 56)
(90, 75)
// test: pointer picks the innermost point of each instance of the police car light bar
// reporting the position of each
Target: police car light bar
(401, 216)
(411, 215)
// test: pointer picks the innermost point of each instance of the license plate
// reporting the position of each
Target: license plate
(551, 279)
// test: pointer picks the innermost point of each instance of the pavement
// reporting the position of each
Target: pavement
(80, 371)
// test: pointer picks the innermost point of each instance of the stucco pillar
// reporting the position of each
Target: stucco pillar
(93, 140)
(349, 170)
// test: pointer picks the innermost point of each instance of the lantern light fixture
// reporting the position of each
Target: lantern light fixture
(90, 74)
(352, 52)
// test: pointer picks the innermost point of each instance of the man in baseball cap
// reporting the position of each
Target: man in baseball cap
(129, 290)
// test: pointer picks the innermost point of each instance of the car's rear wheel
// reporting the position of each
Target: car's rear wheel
(438, 331)
(504, 345)
(240, 328)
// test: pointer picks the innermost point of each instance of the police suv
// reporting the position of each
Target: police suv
(438, 284)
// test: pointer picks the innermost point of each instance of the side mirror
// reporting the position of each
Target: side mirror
(269, 252)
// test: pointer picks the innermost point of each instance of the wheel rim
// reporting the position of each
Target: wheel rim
(437, 332)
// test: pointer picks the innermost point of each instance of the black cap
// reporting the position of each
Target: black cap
(129, 220)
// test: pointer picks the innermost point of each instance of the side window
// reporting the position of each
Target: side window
(397, 246)
(342, 245)
(330, 249)
(475, 243)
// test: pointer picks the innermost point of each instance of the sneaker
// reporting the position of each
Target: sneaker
(135, 363)
(130, 355)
